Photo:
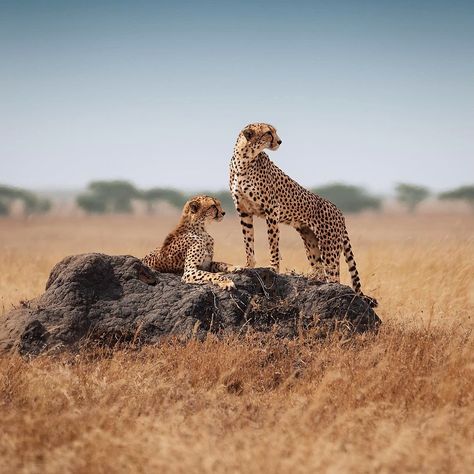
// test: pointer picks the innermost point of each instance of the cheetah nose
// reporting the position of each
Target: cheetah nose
(223, 213)
(279, 142)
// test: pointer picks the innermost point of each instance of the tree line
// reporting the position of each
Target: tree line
(117, 196)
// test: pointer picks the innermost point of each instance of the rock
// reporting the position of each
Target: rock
(105, 300)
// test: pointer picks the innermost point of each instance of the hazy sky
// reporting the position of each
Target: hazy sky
(366, 92)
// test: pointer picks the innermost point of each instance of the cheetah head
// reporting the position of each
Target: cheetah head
(204, 208)
(256, 137)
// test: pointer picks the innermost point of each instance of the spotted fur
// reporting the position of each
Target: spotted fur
(260, 188)
(189, 249)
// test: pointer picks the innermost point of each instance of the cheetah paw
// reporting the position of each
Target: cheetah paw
(226, 284)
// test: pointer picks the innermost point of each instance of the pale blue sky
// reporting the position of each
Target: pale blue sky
(370, 93)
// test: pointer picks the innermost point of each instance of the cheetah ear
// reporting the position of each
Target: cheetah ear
(193, 207)
(248, 133)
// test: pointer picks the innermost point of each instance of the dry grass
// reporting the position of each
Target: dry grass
(402, 400)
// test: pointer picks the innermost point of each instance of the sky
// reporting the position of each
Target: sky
(369, 92)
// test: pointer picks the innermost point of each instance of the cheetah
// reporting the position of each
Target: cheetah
(260, 188)
(189, 249)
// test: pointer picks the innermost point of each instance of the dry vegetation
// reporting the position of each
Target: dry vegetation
(402, 400)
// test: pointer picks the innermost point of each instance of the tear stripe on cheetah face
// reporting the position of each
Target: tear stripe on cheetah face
(260, 188)
(189, 249)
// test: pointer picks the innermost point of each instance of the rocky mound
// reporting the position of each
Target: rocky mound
(105, 300)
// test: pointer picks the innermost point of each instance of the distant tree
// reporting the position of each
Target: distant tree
(117, 194)
(348, 198)
(29, 200)
(108, 196)
(43, 205)
(410, 195)
(4, 208)
(91, 203)
(33, 204)
(171, 196)
(9, 192)
(463, 193)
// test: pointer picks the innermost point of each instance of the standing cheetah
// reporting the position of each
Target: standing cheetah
(189, 249)
(260, 188)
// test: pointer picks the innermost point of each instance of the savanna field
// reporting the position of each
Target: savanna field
(401, 400)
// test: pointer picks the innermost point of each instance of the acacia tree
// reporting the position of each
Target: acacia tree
(463, 193)
(410, 195)
(108, 196)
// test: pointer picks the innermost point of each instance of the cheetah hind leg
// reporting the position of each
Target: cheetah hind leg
(330, 258)
(313, 254)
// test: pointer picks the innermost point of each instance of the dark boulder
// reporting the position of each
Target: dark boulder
(107, 300)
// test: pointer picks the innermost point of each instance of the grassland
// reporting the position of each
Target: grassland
(399, 401)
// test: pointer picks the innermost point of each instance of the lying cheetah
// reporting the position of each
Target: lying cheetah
(189, 249)
(260, 188)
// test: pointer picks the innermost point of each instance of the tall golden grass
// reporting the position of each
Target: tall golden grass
(398, 401)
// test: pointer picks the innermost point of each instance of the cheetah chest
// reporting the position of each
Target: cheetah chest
(248, 195)
(208, 255)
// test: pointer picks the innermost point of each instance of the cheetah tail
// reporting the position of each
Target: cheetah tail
(349, 256)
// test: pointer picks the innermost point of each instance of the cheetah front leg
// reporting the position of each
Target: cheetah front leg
(246, 220)
(195, 275)
(192, 274)
(273, 241)
(223, 267)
